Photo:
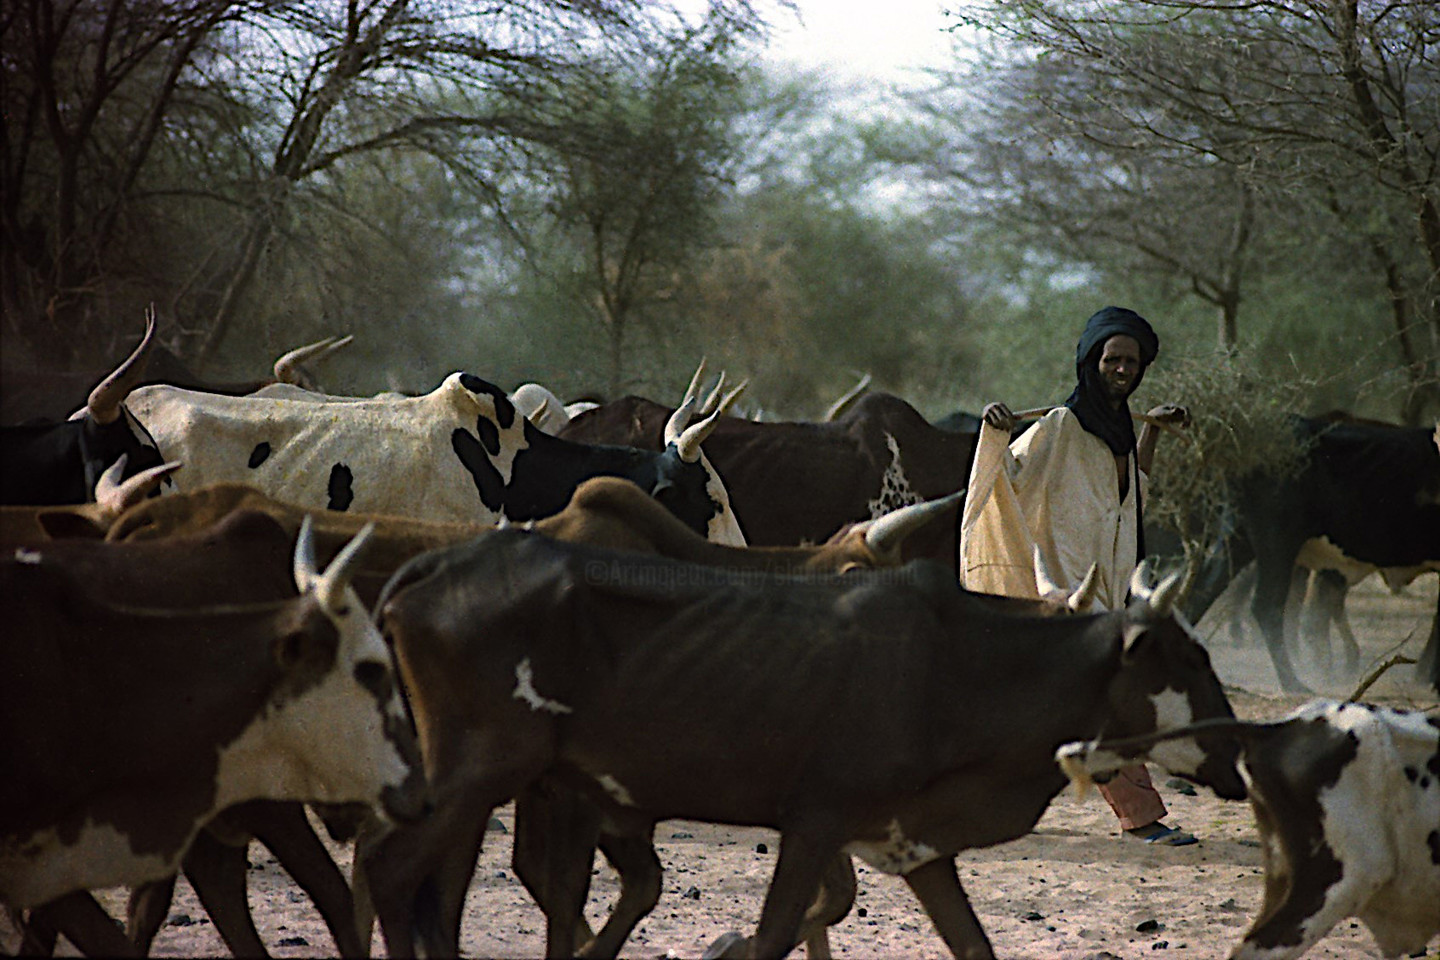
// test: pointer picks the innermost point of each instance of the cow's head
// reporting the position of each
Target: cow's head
(341, 684)
(686, 482)
(1165, 680)
(107, 430)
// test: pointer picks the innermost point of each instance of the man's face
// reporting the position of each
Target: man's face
(1119, 366)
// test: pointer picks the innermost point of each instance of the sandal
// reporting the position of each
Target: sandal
(1159, 833)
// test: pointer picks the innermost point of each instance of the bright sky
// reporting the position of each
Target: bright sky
(883, 39)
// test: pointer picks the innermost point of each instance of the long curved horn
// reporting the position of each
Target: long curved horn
(884, 535)
(688, 443)
(692, 392)
(713, 397)
(104, 402)
(114, 496)
(331, 587)
(1141, 581)
(731, 397)
(845, 401)
(679, 420)
(289, 368)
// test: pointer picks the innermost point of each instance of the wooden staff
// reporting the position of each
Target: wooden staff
(1035, 413)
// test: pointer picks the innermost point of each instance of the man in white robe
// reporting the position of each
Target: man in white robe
(1068, 494)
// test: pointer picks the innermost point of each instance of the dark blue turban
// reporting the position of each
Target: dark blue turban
(1088, 399)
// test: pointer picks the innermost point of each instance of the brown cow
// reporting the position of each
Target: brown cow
(123, 734)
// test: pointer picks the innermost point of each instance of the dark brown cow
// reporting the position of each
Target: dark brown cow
(126, 728)
(610, 513)
(661, 689)
(1347, 800)
(799, 482)
(238, 544)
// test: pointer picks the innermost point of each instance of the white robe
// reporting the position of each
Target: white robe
(1055, 489)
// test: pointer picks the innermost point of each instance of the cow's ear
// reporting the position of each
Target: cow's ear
(66, 525)
(306, 645)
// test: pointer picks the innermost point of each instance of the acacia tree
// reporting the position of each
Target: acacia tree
(636, 181)
(1082, 187)
(86, 95)
(1293, 97)
(257, 107)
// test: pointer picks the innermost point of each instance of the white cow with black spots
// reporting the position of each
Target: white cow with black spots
(1347, 800)
(461, 453)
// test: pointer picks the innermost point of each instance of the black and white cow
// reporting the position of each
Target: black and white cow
(1347, 800)
(461, 453)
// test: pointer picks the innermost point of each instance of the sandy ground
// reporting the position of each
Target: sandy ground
(1071, 889)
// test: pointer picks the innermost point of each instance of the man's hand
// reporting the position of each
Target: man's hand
(999, 416)
(1171, 413)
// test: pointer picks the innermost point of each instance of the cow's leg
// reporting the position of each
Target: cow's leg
(1307, 891)
(804, 857)
(85, 923)
(937, 887)
(442, 907)
(632, 854)
(1427, 669)
(284, 828)
(554, 844)
(412, 872)
(409, 870)
(148, 906)
(1272, 586)
(1297, 919)
(217, 871)
(832, 904)
(37, 935)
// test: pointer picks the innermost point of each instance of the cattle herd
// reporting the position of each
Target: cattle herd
(227, 606)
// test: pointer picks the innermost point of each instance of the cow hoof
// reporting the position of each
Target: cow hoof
(726, 945)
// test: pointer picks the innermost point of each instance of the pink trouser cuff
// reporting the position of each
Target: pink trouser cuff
(1133, 797)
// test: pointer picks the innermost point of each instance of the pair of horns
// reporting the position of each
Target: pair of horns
(1161, 597)
(115, 496)
(1080, 599)
(329, 586)
(687, 437)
